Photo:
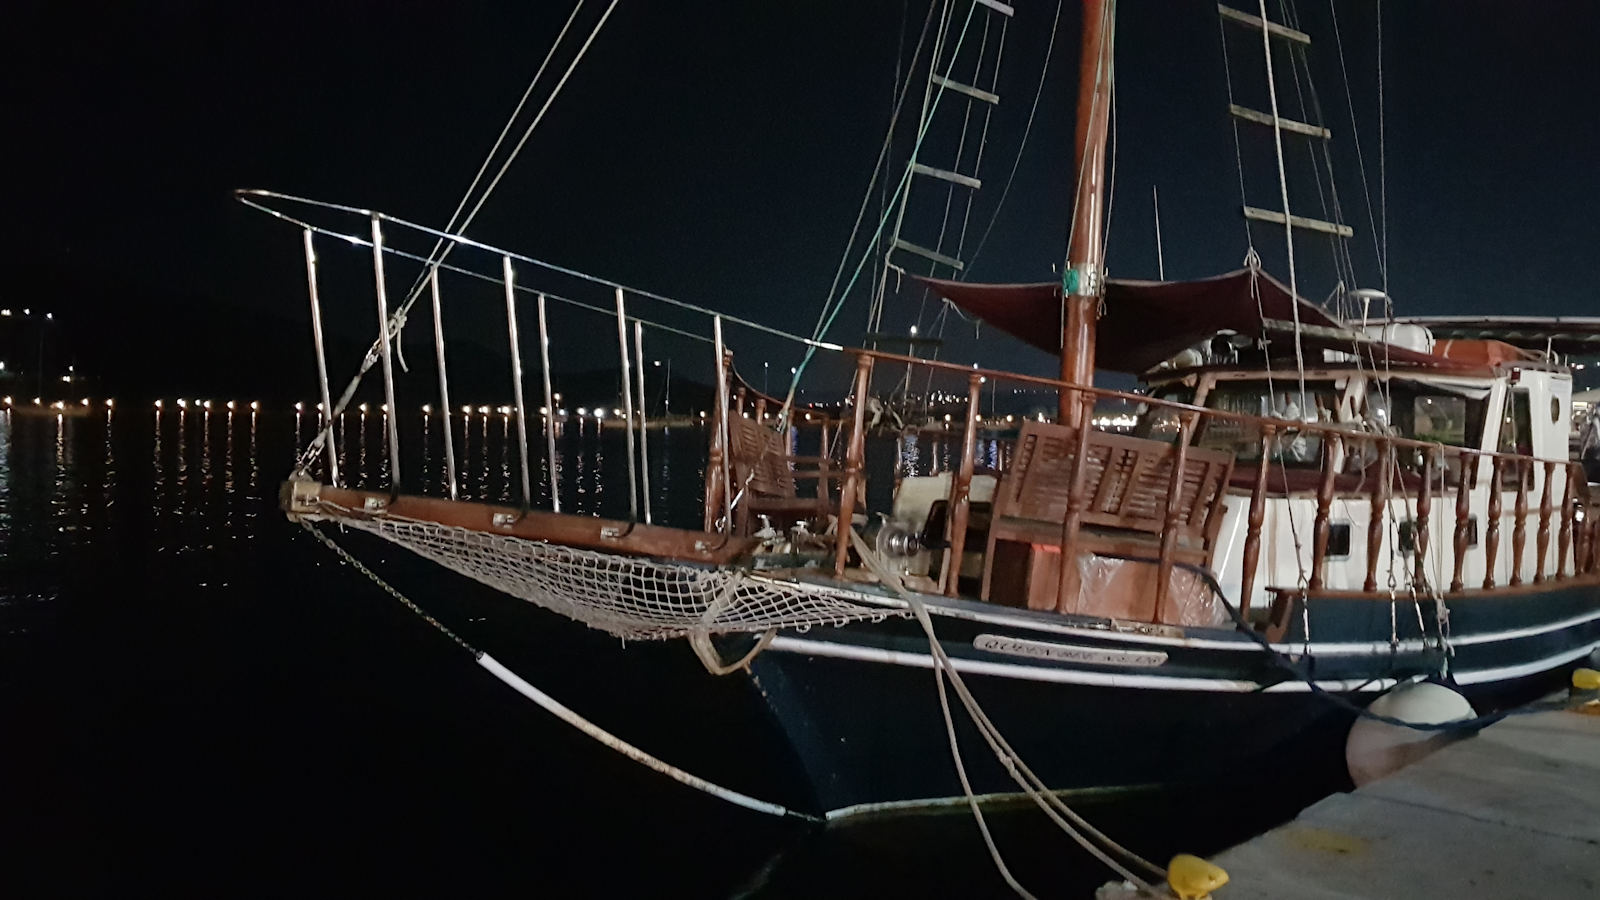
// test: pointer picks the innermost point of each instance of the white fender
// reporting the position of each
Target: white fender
(1375, 749)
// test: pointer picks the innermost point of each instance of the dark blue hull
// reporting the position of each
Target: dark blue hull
(1089, 707)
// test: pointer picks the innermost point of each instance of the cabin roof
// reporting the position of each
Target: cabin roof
(1563, 334)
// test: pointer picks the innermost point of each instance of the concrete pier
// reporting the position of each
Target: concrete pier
(1511, 813)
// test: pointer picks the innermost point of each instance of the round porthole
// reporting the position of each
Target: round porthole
(1555, 409)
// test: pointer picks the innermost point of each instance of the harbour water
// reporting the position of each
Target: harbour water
(197, 699)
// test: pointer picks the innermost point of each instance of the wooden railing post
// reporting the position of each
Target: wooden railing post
(1491, 530)
(1381, 488)
(1067, 577)
(853, 466)
(1546, 507)
(1320, 527)
(824, 470)
(1421, 536)
(1564, 540)
(1169, 530)
(1519, 526)
(960, 489)
(1252, 532)
(1469, 479)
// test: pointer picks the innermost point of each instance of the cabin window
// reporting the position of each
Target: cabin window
(1278, 399)
(1162, 423)
(1516, 424)
(1422, 412)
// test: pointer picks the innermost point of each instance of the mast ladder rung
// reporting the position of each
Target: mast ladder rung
(1261, 118)
(946, 175)
(925, 253)
(1001, 8)
(1245, 18)
(1267, 215)
(967, 89)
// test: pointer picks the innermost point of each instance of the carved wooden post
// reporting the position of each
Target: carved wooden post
(1381, 488)
(1067, 577)
(1252, 532)
(1169, 530)
(1320, 527)
(960, 488)
(1421, 535)
(761, 409)
(1519, 527)
(1546, 507)
(1564, 540)
(853, 466)
(715, 487)
(1491, 531)
(1469, 478)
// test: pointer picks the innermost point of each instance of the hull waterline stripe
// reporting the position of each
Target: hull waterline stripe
(1058, 676)
(838, 650)
(1352, 648)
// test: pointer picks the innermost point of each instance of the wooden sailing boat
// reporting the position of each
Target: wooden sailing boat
(1270, 550)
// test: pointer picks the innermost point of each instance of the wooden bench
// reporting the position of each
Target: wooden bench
(767, 476)
(1127, 485)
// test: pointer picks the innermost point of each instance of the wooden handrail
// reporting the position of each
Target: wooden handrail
(1519, 527)
(960, 492)
(1564, 539)
(1421, 537)
(854, 467)
(1464, 486)
(1546, 507)
(1258, 513)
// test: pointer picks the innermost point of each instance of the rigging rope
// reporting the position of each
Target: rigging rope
(556, 708)
(1026, 131)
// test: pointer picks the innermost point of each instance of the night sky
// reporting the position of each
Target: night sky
(717, 151)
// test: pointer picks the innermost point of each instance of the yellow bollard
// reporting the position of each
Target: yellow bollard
(1192, 878)
(1586, 679)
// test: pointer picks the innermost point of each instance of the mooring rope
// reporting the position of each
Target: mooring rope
(559, 710)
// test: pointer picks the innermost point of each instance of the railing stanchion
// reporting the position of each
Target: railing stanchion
(444, 383)
(550, 409)
(1422, 537)
(960, 490)
(1320, 528)
(1377, 517)
(1252, 533)
(853, 466)
(1519, 528)
(1068, 580)
(516, 380)
(720, 446)
(391, 421)
(1468, 480)
(1491, 531)
(1169, 529)
(322, 362)
(627, 410)
(1564, 539)
(1546, 507)
(644, 440)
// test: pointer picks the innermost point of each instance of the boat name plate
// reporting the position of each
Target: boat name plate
(1010, 646)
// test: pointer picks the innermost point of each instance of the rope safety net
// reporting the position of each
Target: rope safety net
(633, 598)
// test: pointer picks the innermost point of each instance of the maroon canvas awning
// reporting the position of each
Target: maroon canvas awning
(1146, 322)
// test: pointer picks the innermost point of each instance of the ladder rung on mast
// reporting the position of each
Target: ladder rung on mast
(1245, 18)
(925, 253)
(967, 89)
(1001, 8)
(1250, 115)
(1268, 215)
(946, 175)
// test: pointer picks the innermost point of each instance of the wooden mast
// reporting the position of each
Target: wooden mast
(1082, 278)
